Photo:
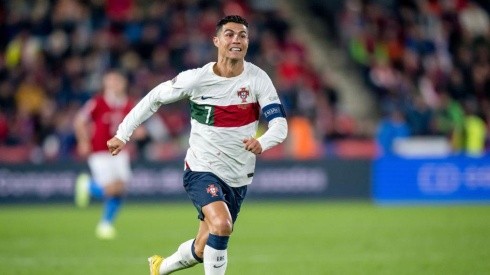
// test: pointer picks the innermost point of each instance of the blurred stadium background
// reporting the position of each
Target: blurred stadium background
(388, 103)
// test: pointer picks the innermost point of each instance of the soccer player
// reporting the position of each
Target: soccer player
(225, 99)
(95, 123)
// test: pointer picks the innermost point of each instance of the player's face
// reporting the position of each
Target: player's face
(232, 41)
(115, 84)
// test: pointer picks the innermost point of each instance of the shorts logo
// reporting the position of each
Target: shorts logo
(213, 190)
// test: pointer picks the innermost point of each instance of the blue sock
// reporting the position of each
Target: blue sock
(96, 190)
(216, 254)
(218, 242)
(193, 250)
(111, 207)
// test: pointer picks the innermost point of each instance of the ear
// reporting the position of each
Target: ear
(216, 41)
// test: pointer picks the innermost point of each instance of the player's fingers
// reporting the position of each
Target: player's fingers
(113, 147)
(252, 147)
(115, 151)
(248, 145)
(257, 148)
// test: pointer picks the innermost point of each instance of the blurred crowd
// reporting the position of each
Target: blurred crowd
(426, 61)
(54, 52)
(428, 64)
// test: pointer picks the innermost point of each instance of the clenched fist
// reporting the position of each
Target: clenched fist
(115, 145)
(252, 145)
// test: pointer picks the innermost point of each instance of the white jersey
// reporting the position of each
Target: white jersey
(224, 111)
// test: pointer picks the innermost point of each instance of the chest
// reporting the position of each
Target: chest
(225, 93)
(104, 114)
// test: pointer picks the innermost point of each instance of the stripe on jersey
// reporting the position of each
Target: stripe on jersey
(225, 116)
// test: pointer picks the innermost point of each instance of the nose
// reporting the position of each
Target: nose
(236, 38)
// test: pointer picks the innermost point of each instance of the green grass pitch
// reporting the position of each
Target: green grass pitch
(281, 237)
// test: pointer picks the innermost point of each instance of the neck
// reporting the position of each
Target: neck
(228, 68)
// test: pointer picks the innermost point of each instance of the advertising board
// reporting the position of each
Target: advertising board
(152, 180)
(449, 179)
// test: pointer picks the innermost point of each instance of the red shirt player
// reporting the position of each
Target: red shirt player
(95, 123)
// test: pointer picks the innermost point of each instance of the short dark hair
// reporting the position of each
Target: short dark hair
(231, 18)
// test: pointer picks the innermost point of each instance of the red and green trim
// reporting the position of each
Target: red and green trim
(225, 116)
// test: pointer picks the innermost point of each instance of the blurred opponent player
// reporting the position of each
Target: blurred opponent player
(95, 123)
(226, 98)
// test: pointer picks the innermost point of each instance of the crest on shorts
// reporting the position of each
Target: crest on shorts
(243, 93)
(213, 190)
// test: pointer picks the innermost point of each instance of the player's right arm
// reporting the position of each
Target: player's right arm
(82, 129)
(167, 92)
(115, 145)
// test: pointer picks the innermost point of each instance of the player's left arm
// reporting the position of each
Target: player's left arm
(277, 128)
(274, 113)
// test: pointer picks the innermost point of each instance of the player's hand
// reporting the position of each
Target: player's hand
(115, 145)
(252, 145)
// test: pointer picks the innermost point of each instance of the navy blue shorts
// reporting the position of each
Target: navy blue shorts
(204, 188)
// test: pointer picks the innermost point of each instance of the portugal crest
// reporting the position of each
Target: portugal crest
(213, 190)
(243, 93)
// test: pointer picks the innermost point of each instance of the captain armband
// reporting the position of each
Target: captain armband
(272, 111)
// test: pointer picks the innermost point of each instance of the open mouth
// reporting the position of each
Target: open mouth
(234, 49)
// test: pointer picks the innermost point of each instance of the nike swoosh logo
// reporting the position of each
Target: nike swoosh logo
(218, 266)
(205, 97)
